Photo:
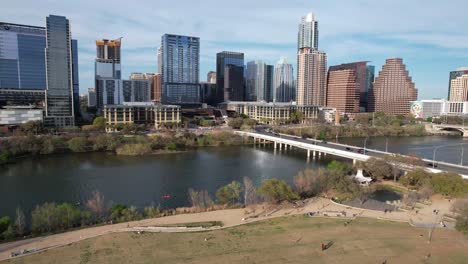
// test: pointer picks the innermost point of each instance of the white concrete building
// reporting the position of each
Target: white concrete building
(16, 115)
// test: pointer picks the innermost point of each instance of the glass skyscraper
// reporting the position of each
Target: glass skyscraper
(75, 78)
(22, 59)
(224, 59)
(308, 34)
(59, 93)
(180, 67)
(283, 86)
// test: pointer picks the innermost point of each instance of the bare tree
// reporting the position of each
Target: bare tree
(20, 222)
(250, 192)
(96, 204)
(200, 199)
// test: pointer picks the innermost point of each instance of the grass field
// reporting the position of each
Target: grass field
(293, 239)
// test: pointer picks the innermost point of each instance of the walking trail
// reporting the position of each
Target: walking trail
(231, 217)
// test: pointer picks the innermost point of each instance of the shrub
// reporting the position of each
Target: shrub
(78, 144)
(229, 194)
(134, 149)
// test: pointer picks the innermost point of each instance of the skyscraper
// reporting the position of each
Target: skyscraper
(224, 59)
(393, 89)
(453, 76)
(370, 76)
(459, 88)
(211, 77)
(283, 84)
(75, 78)
(59, 93)
(22, 57)
(180, 56)
(92, 97)
(156, 89)
(308, 34)
(233, 83)
(108, 82)
(255, 81)
(343, 90)
(341, 80)
(138, 88)
(269, 73)
(311, 77)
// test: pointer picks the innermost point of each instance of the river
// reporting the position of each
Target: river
(142, 181)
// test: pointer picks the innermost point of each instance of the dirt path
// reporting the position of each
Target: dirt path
(230, 217)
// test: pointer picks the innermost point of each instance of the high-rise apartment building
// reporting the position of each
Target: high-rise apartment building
(347, 86)
(22, 57)
(452, 80)
(311, 77)
(393, 89)
(224, 59)
(211, 77)
(283, 84)
(138, 88)
(308, 34)
(269, 80)
(180, 67)
(58, 54)
(156, 88)
(108, 79)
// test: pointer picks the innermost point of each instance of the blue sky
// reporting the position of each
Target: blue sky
(431, 36)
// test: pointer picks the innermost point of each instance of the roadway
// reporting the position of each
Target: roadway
(439, 166)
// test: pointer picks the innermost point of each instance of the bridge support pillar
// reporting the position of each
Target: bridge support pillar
(308, 153)
(465, 133)
(354, 162)
(280, 145)
(274, 145)
(313, 153)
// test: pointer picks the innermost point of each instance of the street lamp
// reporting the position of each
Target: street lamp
(386, 144)
(365, 144)
(462, 152)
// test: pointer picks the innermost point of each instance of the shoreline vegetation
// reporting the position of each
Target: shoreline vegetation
(15, 147)
(333, 182)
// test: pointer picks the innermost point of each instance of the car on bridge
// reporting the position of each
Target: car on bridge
(361, 151)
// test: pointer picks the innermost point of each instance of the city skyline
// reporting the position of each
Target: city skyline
(429, 54)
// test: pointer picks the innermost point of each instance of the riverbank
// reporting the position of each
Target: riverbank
(424, 216)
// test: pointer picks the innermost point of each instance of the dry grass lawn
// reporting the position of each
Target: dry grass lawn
(293, 239)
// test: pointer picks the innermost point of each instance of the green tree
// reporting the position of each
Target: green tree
(339, 167)
(32, 127)
(229, 194)
(416, 179)
(449, 184)
(274, 190)
(69, 216)
(378, 169)
(461, 209)
(78, 144)
(5, 222)
(99, 122)
(235, 123)
(45, 218)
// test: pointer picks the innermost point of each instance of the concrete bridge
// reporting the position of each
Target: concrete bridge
(460, 128)
(317, 148)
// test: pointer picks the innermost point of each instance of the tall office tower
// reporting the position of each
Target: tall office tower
(343, 90)
(311, 77)
(452, 80)
(393, 89)
(211, 77)
(180, 69)
(223, 59)
(92, 99)
(22, 57)
(208, 93)
(255, 81)
(283, 84)
(308, 35)
(108, 82)
(370, 76)
(75, 78)
(233, 83)
(59, 93)
(342, 79)
(269, 73)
